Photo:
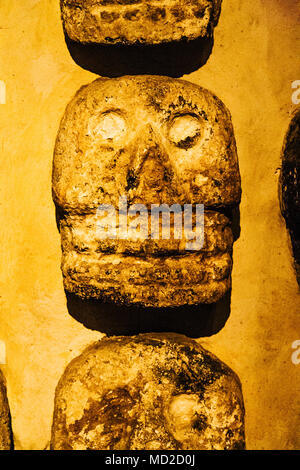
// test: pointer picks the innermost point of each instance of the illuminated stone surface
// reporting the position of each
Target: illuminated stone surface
(148, 392)
(138, 21)
(290, 187)
(5, 424)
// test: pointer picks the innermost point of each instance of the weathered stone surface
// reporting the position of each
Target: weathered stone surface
(289, 191)
(148, 392)
(5, 423)
(154, 140)
(138, 21)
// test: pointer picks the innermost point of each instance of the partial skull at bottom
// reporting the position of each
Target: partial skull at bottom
(138, 21)
(289, 186)
(148, 392)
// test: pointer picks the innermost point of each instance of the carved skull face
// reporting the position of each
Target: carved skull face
(138, 21)
(149, 392)
(152, 140)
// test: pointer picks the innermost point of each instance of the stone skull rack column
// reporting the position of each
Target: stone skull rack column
(145, 141)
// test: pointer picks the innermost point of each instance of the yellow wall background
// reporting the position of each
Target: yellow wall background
(254, 61)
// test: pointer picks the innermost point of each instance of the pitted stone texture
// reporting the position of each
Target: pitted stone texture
(289, 191)
(148, 392)
(5, 423)
(154, 140)
(138, 21)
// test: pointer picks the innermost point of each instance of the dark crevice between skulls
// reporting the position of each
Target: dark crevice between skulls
(172, 59)
(193, 321)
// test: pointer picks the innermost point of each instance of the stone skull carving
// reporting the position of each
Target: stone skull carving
(138, 21)
(148, 392)
(289, 188)
(151, 141)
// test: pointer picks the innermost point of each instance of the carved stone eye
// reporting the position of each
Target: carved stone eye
(185, 130)
(109, 126)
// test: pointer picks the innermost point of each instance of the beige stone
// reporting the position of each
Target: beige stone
(153, 140)
(138, 21)
(251, 70)
(148, 392)
(5, 422)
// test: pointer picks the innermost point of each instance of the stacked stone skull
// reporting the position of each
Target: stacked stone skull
(289, 192)
(170, 142)
(152, 140)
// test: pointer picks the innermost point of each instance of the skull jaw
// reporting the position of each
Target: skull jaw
(153, 283)
(151, 273)
(138, 24)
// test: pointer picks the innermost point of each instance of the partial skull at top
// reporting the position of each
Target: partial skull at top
(148, 141)
(138, 21)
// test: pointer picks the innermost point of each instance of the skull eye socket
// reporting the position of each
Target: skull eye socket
(185, 130)
(185, 414)
(109, 126)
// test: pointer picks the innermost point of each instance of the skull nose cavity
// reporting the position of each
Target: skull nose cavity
(150, 169)
(153, 174)
(132, 180)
